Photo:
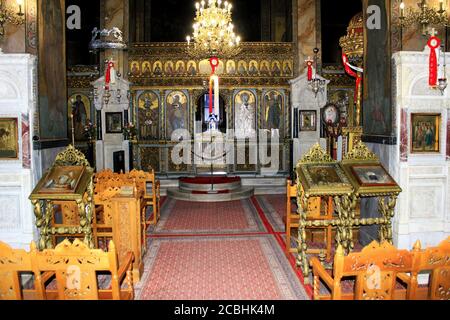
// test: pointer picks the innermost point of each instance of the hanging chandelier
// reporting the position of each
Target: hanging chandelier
(316, 84)
(8, 14)
(426, 16)
(213, 34)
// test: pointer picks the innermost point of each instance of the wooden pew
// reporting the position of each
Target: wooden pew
(316, 211)
(76, 269)
(436, 262)
(13, 262)
(376, 271)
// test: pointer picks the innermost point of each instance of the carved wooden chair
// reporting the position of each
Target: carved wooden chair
(103, 220)
(152, 195)
(318, 209)
(436, 262)
(14, 262)
(376, 271)
(76, 268)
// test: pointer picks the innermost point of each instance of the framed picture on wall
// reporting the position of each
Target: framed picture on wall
(9, 139)
(425, 130)
(307, 120)
(114, 122)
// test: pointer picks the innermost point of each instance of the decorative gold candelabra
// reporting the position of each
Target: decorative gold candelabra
(213, 34)
(8, 14)
(353, 46)
(427, 17)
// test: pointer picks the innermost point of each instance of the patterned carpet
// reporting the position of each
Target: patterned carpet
(274, 206)
(183, 217)
(218, 268)
(220, 251)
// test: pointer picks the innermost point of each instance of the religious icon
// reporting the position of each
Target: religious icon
(273, 106)
(253, 68)
(79, 108)
(264, 70)
(192, 70)
(204, 67)
(330, 114)
(425, 130)
(114, 122)
(245, 115)
(276, 70)
(9, 137)
(323, 174)
(148, 114)
(135, 68)
(157, 68)
(180, 68)
(372, 175)
(146, 68)
(231, 67)
(242, 68)
(307, 120)
(62, 179)
(287, 70)
(177, 114)
(168, 68)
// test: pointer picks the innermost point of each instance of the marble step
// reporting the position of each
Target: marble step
(210, 184)
(187, 195)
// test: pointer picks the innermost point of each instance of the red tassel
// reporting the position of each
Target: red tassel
(433, 43)
(309, 73)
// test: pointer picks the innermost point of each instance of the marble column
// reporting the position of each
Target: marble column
(115, 14)
(306, 31)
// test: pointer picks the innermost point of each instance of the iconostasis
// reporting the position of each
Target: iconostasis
(169, 92)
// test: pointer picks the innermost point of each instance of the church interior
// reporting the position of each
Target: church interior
(224, 150)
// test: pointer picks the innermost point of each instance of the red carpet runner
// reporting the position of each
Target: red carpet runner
(218, 251)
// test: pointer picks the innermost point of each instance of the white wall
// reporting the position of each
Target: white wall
(423, 210)
(302, 98)
(18, 100)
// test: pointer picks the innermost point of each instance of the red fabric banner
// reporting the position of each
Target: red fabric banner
(108, 74)
(214, 62)
(433, 43)
(352, 73)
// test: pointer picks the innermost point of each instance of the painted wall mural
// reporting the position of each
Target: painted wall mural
(52, 70)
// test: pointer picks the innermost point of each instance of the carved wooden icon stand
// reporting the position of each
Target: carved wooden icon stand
(370, 179)
(359, 175)
(319, 176)
(68, 184)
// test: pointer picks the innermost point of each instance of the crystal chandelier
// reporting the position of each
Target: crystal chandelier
(213, 34)
(10, 15)
(426, 16)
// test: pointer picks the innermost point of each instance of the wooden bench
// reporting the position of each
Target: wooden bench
(375, 271)
(381, 271)
(436, 262)
(76, 269)
(318, 209)
(13, 264)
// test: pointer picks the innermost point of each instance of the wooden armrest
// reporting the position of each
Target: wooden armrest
(125, 265)
(46, 276)
(404, 277)
(319, 270)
